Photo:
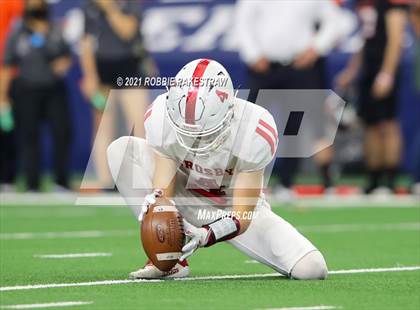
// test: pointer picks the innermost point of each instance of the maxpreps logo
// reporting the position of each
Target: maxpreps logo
(207, 215)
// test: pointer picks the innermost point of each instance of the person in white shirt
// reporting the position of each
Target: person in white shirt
(281, 45)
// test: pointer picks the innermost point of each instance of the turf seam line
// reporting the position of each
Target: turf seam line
(321, 307)
(47, 305)
(203, 278)
(73, 255)
(68, 234)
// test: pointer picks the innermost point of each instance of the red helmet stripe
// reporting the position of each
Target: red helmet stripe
(192, 93)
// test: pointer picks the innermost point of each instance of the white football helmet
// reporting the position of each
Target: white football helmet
(199, 105)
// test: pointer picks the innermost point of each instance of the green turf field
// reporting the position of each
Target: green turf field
(350, 238)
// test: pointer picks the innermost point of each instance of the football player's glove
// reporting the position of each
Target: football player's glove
(196, 237)
(149, 200)
(220, 230)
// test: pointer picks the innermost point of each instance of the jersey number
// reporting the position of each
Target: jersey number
(222, 95)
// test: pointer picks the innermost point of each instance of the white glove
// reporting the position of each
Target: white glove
(197, 237)
(149, 200)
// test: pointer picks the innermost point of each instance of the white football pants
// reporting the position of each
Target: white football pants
(269, 239)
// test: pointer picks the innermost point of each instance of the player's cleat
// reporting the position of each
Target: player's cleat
(149, 271)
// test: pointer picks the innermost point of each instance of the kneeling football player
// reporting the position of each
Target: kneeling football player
(207, 150)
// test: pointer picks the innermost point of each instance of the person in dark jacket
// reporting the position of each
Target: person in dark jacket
(37, 49)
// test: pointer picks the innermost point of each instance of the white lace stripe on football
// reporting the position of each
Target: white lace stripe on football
(159, 209)
(168, 256)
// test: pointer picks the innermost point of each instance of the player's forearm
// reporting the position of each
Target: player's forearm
(160, 183)
(234, 223)
(395, 23)
(245, 196)
(228, 227)
(244, 206)
(164, 176)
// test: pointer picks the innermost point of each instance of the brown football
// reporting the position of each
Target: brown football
(162, 234)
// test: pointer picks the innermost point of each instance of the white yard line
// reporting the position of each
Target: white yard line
(375, 270)
(359, 227)
(48, 305)
(204, 278)
(72, 255)
(321, 307)
(68, 234)
(125, 233)
(78, 284)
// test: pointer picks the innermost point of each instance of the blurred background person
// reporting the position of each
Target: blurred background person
(415, 19)
(36, 48)
(10, 11)
(112, 47)
(281, 43)
(382, 26)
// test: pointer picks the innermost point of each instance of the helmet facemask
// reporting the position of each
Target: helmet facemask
(201, 143)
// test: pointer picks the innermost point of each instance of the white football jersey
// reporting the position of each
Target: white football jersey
(250, 146)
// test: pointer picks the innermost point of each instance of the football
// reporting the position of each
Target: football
(162, 234)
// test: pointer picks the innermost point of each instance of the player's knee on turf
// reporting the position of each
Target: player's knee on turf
(310, 267)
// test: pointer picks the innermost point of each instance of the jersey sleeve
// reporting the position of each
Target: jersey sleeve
(262, 145)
